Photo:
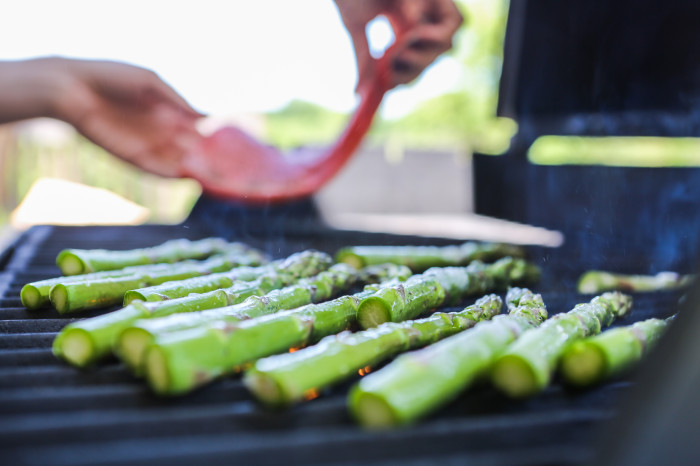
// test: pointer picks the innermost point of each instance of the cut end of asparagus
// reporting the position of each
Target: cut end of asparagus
(131, 348)
(351, 259)
(70, 264)
(264, 388)
(131, 296)
(156, 370)
(59, 298)
(372, 411)
(76, 347)
(31, 297)
(513, 376)
(583, 364)
(372, 312)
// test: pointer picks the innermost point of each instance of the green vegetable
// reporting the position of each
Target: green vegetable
(178, 362)
(79, 261)
(72, 343)
(597, 281)
(420, 258)
(420, 382)
(526, 367)
(293, 377)
(595, 359)
(440, 286)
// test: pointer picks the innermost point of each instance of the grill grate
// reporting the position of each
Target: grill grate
(54, 414)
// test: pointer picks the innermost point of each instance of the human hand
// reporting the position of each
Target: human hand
(127, 110)
(429, 26)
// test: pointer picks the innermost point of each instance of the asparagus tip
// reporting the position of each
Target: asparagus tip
(30, 296)
(131, 348)
(372, 312)
(264, 388)
(59, 298)
(371, 411)
(156, 370)
(582, 364)
(70, 264)
(75, 346)
(512, 375)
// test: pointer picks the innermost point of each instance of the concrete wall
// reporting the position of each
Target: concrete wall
(379, 181)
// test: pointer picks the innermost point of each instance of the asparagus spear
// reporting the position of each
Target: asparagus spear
(78, 261)
(179, 362)
(419, 382)
(83, 343)
(592, 360)
(420, 258)
(35, 295)
(202, 284)
(292, 377)
(439, 286)
(177, 281)
(80, 295)
(133, 341)
(526, 367)
(257, 337)
(597, 281)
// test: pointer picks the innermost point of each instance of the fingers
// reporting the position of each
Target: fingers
(444, 13)
(439, 21)
(155, 139)
(428, 43)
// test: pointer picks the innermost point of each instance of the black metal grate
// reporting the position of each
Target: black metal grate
(54, 414)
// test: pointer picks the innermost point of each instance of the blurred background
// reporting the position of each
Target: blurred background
(284, 71)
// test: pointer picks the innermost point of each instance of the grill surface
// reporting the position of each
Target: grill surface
(54, 414)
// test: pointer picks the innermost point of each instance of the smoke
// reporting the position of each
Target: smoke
(265, 226)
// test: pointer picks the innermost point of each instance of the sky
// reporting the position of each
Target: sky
(225, 57)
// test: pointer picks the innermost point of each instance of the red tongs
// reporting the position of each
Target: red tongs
(233, 165)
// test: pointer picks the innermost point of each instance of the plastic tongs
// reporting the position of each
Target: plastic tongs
(231, 164)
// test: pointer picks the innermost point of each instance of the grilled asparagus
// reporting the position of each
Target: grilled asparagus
(180, 361)
(79, 261)
(592, 360)
(526, 367)
(81, 295)
(35, 295)
(420, 258)
(597, 281)
(84, 342)
(202, 284)
(419, 382)
(440, 286)
(292, 377)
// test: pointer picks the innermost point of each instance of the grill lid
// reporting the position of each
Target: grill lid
(599, 67)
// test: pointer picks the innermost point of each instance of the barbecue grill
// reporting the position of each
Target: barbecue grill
(54, 414)
(599, 68)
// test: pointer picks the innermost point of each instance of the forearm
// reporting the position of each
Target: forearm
(29, 88)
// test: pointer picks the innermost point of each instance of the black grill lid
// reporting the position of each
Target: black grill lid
(601, 66)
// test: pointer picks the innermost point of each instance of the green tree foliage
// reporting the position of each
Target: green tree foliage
(303, 124)
(465, 116)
